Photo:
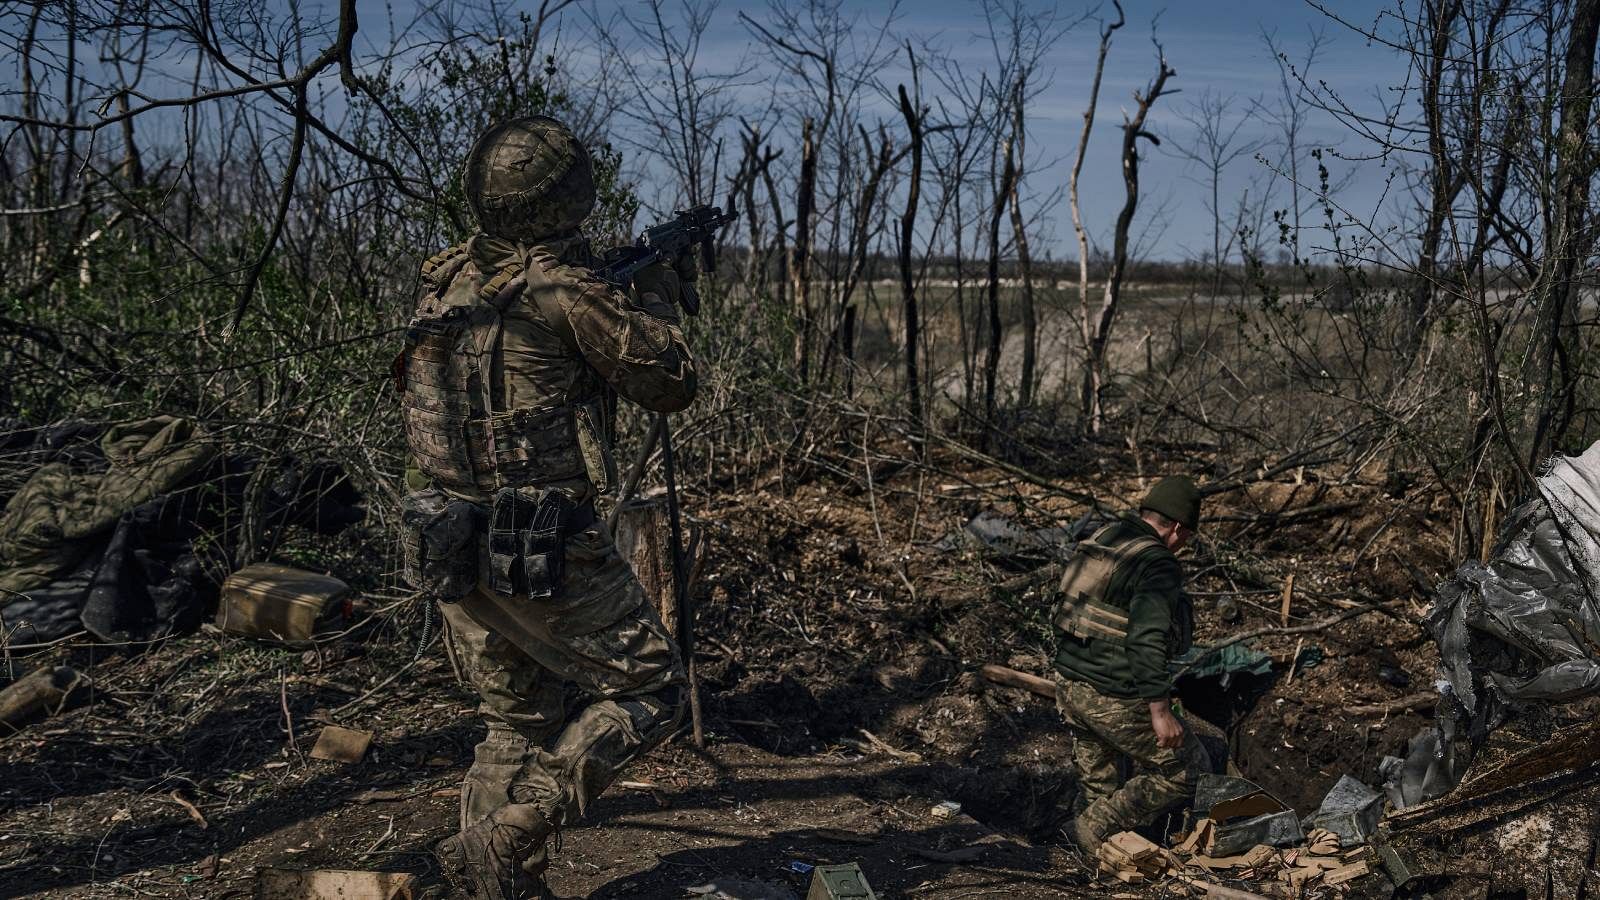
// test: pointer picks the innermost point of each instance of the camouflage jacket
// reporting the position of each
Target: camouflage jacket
(509, 358)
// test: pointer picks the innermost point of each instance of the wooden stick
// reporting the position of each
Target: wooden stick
(1419, 701)
(1294, 662)
(1009, 677)
(1288, 600)
(45, 690)
(680, 580)
(1320, 625)
(636, 471)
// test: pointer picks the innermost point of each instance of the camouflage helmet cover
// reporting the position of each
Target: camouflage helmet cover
(529, 178)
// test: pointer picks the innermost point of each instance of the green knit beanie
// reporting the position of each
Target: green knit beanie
(1177, 498)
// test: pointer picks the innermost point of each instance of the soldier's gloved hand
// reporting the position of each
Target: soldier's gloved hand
(687, 265)
(660, 289)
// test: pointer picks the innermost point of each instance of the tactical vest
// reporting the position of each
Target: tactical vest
(1085, 611)
(457, 422)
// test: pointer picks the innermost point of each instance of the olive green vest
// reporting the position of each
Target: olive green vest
(1085, 610)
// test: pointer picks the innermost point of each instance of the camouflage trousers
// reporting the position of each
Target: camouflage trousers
(600, 635)
(1107, 728)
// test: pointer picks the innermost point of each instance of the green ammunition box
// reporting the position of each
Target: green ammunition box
(839, 883)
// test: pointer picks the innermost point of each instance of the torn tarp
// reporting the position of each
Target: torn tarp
(1003, 541)
(1521, 628)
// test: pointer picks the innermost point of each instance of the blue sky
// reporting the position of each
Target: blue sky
(1213, 46)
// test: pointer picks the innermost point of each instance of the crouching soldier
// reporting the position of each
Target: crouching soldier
(509, 360)
(1122, 617)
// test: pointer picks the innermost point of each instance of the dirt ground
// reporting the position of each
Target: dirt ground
(841, 627)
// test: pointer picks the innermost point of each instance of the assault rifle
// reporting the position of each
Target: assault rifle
(664, 243)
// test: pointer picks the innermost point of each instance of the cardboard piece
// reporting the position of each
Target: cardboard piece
(333, 884)
(1244, 815)
(346, 745)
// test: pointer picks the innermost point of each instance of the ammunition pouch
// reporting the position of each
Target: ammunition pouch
(528, 531)
(1085, 611)
(439, 541)
(1084, 618)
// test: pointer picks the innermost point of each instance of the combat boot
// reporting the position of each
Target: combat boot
(1084, 834)
(485, 861)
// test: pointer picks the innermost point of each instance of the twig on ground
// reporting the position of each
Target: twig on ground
(288, 717)
(381, 838)
(1418, 701)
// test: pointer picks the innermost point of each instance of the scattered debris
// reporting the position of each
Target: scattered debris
(1243, 815)
(333, 884)
(339, 744)
(1346, 873)
(277, 602)
(945, 809)
(1350, 811)
(1004, 541)
(1132, 859)
(1569, 757)
(723, 888)
(843, 882)
(44, 691)
(193, 811)
(1517, 630)
(1323, 842)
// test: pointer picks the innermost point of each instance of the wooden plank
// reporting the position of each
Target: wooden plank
(1346, 873)
(1009, 677)
(1288, 600)
(1133, 846)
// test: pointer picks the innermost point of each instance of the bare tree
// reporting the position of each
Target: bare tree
(1290, 115)
(1100, 334)
(1555, 289)
(1214, 146)
(1106, 31)
(913, 111)
(991, 359)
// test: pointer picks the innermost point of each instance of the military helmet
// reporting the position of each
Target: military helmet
(529, 178)
(1176, 497)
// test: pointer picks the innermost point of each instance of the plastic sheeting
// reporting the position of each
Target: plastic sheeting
(1523, 628)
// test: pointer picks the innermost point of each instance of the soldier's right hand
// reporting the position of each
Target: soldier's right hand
(1169, 731)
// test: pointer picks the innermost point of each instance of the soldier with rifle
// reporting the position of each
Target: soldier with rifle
(521, 335)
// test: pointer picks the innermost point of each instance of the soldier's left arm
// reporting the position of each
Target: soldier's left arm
(633, 341)
(1158, 592)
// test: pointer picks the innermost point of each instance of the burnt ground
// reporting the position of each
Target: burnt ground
(835, 621)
